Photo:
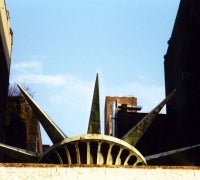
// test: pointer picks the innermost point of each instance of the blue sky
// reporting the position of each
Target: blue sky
(59, 47)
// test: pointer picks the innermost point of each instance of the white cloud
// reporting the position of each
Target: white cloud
(27, 66)
(31, 72)
(148, 96)
(75, 92)
(30, 78)
(67, 98)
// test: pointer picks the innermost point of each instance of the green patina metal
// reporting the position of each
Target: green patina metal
(135, 134)
(92, 148)
(94, 126)
(53, 131)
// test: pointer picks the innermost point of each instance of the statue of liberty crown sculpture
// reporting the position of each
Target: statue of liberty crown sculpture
(92, 148)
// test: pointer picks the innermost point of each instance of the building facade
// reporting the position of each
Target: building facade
(5, 58)
(182, 73)
(179, 128)
(111, 107)
(22, 128)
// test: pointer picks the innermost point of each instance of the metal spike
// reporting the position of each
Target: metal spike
(94, 126)
(135, 133)
(20, 154)
(171, 152)
(53, 131)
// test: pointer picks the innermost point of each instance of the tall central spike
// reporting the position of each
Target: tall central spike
(94, 126)
(53, 131)
(135, 133)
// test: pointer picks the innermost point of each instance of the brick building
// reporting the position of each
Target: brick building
(111, 104)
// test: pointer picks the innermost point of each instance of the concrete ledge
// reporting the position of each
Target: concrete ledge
(45, 171)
